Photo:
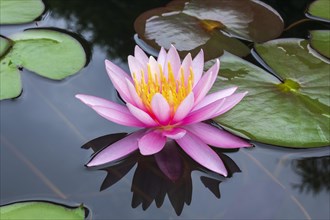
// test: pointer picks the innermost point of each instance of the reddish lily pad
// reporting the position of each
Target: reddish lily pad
(320, 41)
(291, 109)
(197, 24)
(167, 28)
(320, 10)
(250, 20)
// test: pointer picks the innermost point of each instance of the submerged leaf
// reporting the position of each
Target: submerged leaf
(18, 11)
(249, 20)
(209, 25)
(291, 109)
(40, 210)
(320, 41)
(167, 28)
(320, 10)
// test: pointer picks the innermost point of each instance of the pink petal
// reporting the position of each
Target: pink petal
(216, 137)
(202, 153)
(186, 65)
(151, 143)
(229, 103)
(169, 161)
(96, 101)
(141, 115)
(110, 110)
(161, 108)
(201, 88)
(175, 133)
(118, 78)
(214, 97)
(184, 108)
(140, 55)
(136, 100)
(205, 83)
(203, 113)
(154, 67)
(120, 116)
(113, 68)
(117, 150)
(174, 59)
(137, 68)
(162, 57)
(198, 66)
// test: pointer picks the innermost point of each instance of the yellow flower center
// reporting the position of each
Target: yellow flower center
(173, 90)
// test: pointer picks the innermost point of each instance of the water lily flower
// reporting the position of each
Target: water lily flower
(169, 99)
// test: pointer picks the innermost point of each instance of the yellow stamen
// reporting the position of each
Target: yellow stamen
(174, 90)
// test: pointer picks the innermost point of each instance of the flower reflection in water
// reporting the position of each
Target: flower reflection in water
(166, 173)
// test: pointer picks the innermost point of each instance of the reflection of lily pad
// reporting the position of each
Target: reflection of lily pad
(41, 210)
(320, 9)
(5, 45)
(20, 11)
(47, 52)
(320, 41)
(202, 24)
(293, 111)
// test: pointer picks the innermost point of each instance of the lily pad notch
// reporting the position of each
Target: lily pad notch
(49, 52)
(5, 45)
(291, 109)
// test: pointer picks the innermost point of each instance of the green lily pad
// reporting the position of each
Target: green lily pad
(40, 210)
(194, 25)
(10, 80)
(5, 45)
(320, 10)
(320, 41)
(290, 109)
(49, 53)
(18, 11)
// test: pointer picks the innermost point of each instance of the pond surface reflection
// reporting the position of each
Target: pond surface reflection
(167, 173)
(43, 129)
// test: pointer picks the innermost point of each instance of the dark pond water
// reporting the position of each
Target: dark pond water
(43, 130)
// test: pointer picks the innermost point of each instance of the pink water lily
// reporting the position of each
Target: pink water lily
(169, 99)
